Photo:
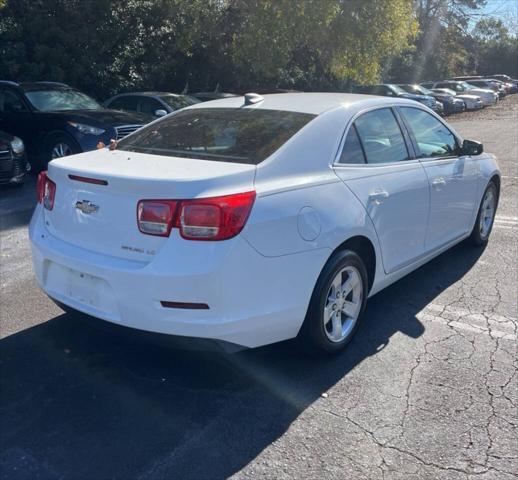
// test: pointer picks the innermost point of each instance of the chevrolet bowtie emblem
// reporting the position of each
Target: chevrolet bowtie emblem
(86, 206)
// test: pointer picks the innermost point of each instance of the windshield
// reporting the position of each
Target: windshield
(397, 89)
(219, 134)
(418, 89)
(60, 99)
(178, 101)
(467, 86)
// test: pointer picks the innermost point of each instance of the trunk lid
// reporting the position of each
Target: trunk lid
(102, 218)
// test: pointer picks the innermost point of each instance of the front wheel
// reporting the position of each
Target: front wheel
(60, 145)
(337, 304)
(486, 216)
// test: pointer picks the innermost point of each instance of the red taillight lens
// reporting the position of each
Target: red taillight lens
(40, 185)
(216, 218)
(46, 190)
(155, 217)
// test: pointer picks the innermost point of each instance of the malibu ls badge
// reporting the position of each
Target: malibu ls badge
(87, 207)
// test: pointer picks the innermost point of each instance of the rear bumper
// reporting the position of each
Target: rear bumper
(253, 300)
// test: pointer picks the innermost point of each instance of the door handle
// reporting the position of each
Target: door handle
(378, 196)
(438, 182)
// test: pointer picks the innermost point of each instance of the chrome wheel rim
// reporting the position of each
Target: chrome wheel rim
(343, 304)
(487, 213)
(61, 150)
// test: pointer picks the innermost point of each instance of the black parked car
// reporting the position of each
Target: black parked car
(156, 104)
(391, 90)
(449, 102)
(13, 161)
(55, 120)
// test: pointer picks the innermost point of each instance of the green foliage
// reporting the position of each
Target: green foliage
(497, 49)
(103, 46)
(107, 46)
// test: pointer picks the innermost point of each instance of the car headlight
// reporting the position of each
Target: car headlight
(87, 129)
(17, 146)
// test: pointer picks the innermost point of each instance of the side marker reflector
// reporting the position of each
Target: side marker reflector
(186, 306)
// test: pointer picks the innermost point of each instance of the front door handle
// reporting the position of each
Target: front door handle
(438, 183)
(378, 196)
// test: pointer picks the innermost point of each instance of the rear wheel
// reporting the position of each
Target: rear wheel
(337, 304)
(486, 216)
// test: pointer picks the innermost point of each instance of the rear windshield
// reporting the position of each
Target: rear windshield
(220, 134)
(179, 101)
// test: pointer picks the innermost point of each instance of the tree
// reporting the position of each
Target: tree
(318, 43)
(497, 50)
(442, 46)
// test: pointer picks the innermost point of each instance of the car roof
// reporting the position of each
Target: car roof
(31, 85)
(150, 94)
(304, 102)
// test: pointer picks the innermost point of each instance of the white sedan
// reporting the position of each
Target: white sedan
(253, 219)
(488, 96)
(472, 102)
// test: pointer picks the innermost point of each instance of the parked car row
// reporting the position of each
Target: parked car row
(51, 120)
(448, 96)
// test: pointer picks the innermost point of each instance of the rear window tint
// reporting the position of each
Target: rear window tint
(219, 134)
(352, 151)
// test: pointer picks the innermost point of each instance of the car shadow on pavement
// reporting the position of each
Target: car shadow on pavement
(81, 402)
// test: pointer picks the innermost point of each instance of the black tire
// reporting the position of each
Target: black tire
(59, 138)
(312, 335)
(477, 238)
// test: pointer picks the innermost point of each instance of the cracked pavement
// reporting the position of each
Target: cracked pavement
(428, 389)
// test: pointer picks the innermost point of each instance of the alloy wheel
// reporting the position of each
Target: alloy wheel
(61, 150)
(343, 304)
(487, 213)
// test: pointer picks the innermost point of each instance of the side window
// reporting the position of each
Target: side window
(10, 102)
(381, 137)
(124, 103)
(150, 106)
(432, 137)
(352, 151)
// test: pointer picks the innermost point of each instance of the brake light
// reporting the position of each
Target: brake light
(46, 190)
(155, 217)
(216, 218)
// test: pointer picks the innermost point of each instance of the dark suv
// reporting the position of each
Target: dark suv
(55, 120)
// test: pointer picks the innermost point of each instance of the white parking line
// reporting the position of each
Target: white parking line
(436, 313)
(505, 222)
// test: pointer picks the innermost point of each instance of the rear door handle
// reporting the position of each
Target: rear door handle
(378, 196)
(438, 183)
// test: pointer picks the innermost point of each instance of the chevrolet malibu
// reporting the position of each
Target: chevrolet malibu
(254, 219)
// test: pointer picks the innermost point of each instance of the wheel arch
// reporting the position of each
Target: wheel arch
(496, 180)
(364, 247)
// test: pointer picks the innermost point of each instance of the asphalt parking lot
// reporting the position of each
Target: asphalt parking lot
(428, 389)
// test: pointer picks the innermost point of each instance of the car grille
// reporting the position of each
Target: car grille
(124, 130)
(6, 165)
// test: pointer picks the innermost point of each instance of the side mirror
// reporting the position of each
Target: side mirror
(160, 113)
(471, 148)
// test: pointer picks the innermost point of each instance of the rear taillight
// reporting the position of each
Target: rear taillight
(216, 218)
(156, 217)
(46, 190)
